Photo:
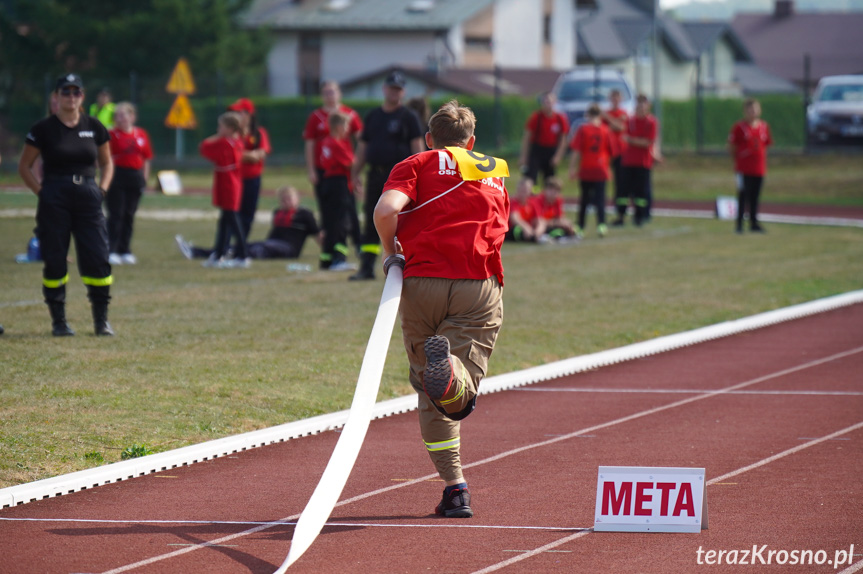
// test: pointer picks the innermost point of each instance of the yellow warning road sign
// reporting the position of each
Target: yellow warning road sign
(181, 115)
(181, 81)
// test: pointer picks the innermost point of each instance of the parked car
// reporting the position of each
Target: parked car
(578, 88)
(836, 112)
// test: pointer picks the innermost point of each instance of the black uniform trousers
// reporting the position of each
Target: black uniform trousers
(375, 181)
(636, 182)
(539, 161)
(621, 198)
(748, 195)
(334, 203)
(592, 193)
(67, 210)
(229, 226)
(249, 204)
(124, 196)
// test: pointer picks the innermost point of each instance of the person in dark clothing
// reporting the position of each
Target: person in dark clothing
(292, 224)
(390, 134)
(71, 144)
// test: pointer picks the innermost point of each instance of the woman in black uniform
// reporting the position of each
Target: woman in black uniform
(71, 144)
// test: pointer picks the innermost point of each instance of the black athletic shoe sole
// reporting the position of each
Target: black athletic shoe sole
(460, 512)
(438, 372)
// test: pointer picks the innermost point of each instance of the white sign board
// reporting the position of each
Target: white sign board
(726, 207)
(169, 182)
(650, 499)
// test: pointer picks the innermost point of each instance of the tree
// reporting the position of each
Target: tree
(108, 40)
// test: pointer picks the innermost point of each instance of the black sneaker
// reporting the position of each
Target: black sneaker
(456, 504)
(438, 377)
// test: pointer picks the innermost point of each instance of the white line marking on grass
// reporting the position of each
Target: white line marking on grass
(502, 455)
(716, 480)
(685, 391)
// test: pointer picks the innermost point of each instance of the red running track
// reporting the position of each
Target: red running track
(774, 415)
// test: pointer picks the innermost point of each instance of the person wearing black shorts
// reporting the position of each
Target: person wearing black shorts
(71, 144)
(390, 134)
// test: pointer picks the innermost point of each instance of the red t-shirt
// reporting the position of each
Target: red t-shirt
(594, 145)
(225, 153)
(546, 130)
(750, 144)
(317, 128)
(250, 142)
(525, 210)
(451, 228)
(130, 149)
(640, 127)
(337, 157)
(547, 209)
(618, 146)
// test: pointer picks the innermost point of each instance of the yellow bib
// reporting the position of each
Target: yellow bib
(475, 166)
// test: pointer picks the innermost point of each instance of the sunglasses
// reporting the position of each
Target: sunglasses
(74, 92)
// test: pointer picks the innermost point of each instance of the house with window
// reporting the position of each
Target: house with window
(342, 40)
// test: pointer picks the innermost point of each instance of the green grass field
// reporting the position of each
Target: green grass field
(202, 353)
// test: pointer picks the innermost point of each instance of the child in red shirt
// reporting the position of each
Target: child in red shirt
(544, 141)
(748, 143)
(522, 215)
(640, 138)
(550, 222)
(592, 149)
(337, 157)
(225, 150)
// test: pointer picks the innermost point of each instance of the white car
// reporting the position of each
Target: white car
(578, 88)
(836, 112)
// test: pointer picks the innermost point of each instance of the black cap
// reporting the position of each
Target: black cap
(69, 80)
(395, 79)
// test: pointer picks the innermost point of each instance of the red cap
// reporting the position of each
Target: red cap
(243, 105)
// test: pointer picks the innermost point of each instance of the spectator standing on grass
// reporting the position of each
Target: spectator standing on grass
(103, 108)
(550, 222)
(71, 145)
(315, 131)
(616, 119)
(337, 158)
(522, 215)
(225, 150)
(390, 133)
(131, 154)
(450, 229)
(748, 143)
(292, 225)
(544, 141)
(256, 148)
(591, 152)
(640, 138)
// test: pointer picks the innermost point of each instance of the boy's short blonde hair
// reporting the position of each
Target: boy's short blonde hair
(231, 120)
(337, 119)
(452, 125)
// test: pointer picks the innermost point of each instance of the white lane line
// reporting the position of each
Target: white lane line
(519, 450)
(853, 568)
(280, 523)
(768, 460)
(689, 391)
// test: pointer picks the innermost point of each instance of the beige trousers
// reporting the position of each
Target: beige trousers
(469, 314)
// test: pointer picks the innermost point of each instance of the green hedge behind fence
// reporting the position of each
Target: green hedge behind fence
(285, 119)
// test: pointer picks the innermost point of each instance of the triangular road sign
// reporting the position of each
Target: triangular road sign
(181, 115)
(181, 81)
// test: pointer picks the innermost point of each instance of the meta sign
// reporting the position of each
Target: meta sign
(650, 499)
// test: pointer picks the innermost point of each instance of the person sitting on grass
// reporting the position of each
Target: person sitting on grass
(292, 224)
(550, 223)
(522, 215)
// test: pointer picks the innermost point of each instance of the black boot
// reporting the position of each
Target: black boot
(59, 326)
(367, 268)
(100, 319)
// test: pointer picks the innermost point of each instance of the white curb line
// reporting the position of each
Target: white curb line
(84, 479)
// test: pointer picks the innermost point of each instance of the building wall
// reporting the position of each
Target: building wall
(563, 43)
(517, 37)
(347, 55)
(283, 64)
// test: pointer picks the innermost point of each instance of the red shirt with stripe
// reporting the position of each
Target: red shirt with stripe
(225, 153)
(337, 157)
(451, 228)
(546, 209)
(525, 210)
(317, 128)
(750, 143)
(546, 130)
(640, 127)
(252, 142)
(618, 146)
(593, 143)
(130, 149)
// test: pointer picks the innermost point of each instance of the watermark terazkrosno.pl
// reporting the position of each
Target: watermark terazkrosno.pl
(758, 555)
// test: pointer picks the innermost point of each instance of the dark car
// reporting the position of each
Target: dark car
(836, 112)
